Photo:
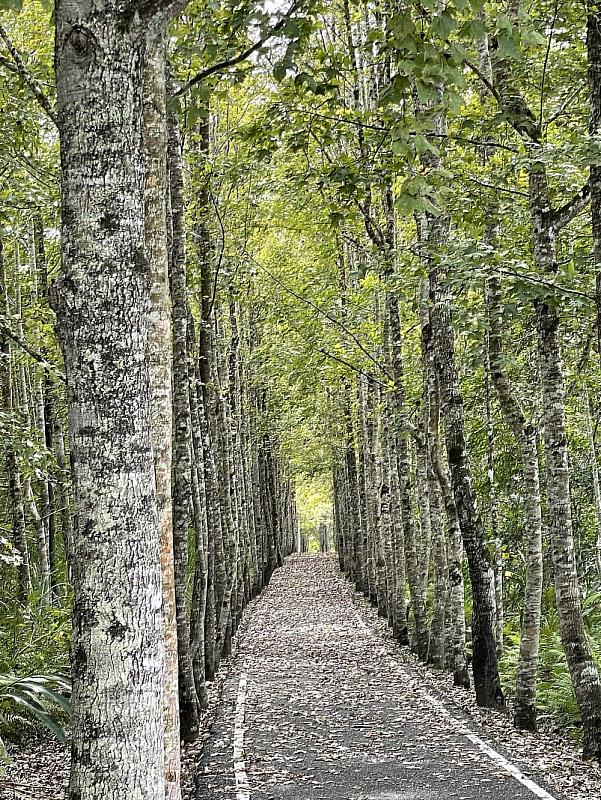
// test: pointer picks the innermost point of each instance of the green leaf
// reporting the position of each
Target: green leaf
(507, 45)
(279, 72)
(532, 38)
(444, 24)
(422, 145)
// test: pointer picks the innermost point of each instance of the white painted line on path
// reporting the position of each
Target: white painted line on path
(242, 785)
(497, 758)
(462, 729)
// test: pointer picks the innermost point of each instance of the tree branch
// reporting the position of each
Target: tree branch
(332, 356)
(21, 70)
(321, 311)
(231, 62)
(157, 13)
(564, 215)
(477, 71)
(22, 345)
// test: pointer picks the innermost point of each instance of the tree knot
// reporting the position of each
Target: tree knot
(80, 40)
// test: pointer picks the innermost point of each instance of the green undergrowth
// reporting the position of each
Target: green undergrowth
(555, 696)
(34, 669)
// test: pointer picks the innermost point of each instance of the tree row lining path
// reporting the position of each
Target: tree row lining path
(319, 706)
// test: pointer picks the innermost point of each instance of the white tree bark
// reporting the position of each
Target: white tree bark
(103, 309)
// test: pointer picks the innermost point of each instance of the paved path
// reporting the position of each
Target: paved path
(317, 707)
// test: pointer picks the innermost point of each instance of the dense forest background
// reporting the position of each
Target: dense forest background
(383, 242)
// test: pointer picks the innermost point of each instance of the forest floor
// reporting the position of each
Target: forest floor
(318, 702)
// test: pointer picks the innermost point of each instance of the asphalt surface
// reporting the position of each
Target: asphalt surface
(331, 712)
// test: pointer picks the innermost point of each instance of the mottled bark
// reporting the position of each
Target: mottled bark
(63, 490)
(361, 489)
(364, 482)
(448, 559)
(593, 42)
(386, 522)
(161, 401)
(525, 434)
(545, 224)
(46, 411)
(484, 664)
(585, 677)
(422, 486)
(493, 506)
(418, 604)
(15, 488)
(27, 398)
(103, 310)
(198, 608)
(356, 539)
(182, 461)
(208, 477)
(226, 586)
(590, 435)
(399, 622)
(436, 652)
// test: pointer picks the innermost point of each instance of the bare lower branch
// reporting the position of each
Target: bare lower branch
(238, 59)
(21, 70)
(564, 215)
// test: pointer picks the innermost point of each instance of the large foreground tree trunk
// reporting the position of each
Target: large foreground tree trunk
(103, 306)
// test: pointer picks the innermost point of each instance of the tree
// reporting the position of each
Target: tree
(102, 304)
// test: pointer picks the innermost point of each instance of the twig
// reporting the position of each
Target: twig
(564, 215)
(484, 80)
(546, 64)
(321, 311)
(22, 345)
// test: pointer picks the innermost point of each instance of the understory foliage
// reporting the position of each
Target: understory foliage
(382, 334)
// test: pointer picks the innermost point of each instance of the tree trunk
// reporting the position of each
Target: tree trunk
(451, 560)
(46, 410)
(103, 309)
(525, 434)
(161, 402)
(402, 449)
(495, 535)
(484, 664)
(365, 487)
(63, 491)
(593, 41)
(399, 622)
(590, 434)
(15, 487)
(437, 651)
(198, 610)
(182, 462)
(585, 677)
